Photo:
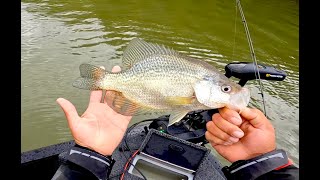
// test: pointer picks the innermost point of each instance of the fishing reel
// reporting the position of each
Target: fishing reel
(193, 126)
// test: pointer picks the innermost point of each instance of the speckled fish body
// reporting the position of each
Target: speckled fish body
(159, 79)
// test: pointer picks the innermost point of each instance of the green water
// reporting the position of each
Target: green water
(57, 36)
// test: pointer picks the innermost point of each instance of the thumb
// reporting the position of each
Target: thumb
(69, 110)
(254, 116)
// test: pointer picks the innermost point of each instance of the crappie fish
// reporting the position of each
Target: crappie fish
(159, 79)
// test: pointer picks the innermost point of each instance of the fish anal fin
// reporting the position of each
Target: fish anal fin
(122, 105)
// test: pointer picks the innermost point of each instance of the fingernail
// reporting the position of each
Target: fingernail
(116, 69)
(232, 139)
(227, 143)
(236, 121)
(238, 134)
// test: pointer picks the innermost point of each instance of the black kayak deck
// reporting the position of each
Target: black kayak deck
(42, 163)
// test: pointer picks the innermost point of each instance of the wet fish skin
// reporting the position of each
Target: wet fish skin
(159, 79)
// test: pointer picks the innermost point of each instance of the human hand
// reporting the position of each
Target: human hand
(99, 128)
(240, 137)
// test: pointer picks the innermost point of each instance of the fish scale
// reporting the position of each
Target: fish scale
(159, 79)
(146, 74)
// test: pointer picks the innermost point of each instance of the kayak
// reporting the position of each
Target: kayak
(172, 158)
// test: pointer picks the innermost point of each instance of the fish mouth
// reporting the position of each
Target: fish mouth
(240, 100)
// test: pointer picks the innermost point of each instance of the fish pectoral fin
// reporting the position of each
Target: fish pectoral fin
(176, 117)
(180, 100)
(124, 106)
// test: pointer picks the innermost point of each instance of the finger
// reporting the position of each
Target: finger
(69, 110)
(230, 115)
(215, 140)
(254, 116)
(114, 69)
(215, 131)
(96, 96)
(227, 127)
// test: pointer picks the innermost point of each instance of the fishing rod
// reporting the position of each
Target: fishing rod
(192, 127)
(253, 56)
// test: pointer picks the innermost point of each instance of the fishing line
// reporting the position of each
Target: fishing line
(133, 153)
(235, 30)
(252, 53)
(126, 165)
(125, 169)
(129, 162)
(128, 147)
(129, 130)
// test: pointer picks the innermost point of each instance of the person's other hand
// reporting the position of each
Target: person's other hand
(99, 128)
(240, 137)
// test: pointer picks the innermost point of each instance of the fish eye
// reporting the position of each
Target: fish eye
(226, 88)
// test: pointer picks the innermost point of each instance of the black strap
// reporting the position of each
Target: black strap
(255, 167)
(96, 163)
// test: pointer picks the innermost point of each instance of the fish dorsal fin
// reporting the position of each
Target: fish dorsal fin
(138, 49)
(124, 106)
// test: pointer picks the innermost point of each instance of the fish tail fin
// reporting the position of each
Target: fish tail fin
(86, 83)
(91, 71)
(91, 77)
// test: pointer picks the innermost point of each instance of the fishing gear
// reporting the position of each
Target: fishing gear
(125, 146)
(245, 71)
(193, 126)
(253, 56)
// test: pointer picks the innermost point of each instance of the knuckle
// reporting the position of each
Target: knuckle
(225, 137)
(209, 125)
(216, 116)
(211, 138)
(257, 111)
(229, 129)
(225, 126)
(208, 135)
